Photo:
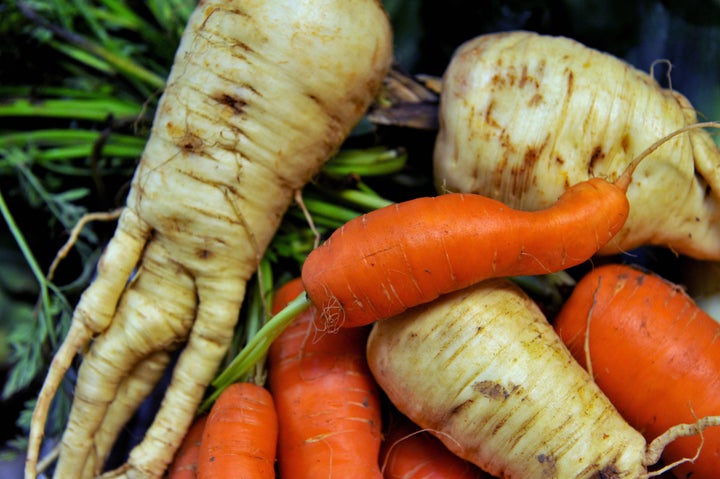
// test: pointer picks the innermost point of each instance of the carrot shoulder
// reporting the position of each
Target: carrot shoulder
(327, 401)
(653, 352)
(386, 261)
(240, 436)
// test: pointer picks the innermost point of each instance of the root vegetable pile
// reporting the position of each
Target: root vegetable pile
(525, 116)
(551, 168)
(260, 95)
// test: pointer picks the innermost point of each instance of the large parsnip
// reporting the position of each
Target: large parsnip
(261, 94)
(483, 370)
(524, 116)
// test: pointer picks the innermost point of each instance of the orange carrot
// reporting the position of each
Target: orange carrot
(408, 452)
(379, 264)
(184, 466)
(327, 401)
(653, 352)
(240, 436)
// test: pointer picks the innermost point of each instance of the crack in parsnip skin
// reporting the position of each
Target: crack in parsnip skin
(261, 94)
(524, 116)
(500, 388)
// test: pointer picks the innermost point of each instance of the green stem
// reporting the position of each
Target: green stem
(62, 136)
(375, 161)
(83, 151)
(127, 67)
(328, 211)
(257, 347)
(32, 262)
(363, 199)
(86, 109)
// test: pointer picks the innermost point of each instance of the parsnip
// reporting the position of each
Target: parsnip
(260, 95)
(500, 389)
(524, 116)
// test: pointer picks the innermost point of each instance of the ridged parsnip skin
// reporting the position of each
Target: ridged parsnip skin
(484, 369)
(523, 116)
(261, 94)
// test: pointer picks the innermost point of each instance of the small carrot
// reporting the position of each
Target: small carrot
(327, 401)
(184, 466)
(653, 352)
(240, 436)
(408, 452)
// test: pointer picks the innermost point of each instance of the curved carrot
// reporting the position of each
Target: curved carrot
(240, 436)
(653, 352)
(327, 401)
(184, 466)
(381, 263)
(408, 452)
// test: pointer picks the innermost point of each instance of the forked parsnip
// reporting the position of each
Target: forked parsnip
(525, 116)
(500, 389)
(261, 93)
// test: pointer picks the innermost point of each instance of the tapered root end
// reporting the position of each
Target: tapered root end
(77, 338)
(623, 182)
(657, 446)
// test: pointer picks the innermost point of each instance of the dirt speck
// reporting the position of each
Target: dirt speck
(607, 472)
(492, 389)
(203, 253)
(549, 464)
(237, 105)
(596, 155)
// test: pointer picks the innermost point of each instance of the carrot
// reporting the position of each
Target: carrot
(379, 264)
(240, 436)
(653, 352)
(327, 401)
(523, 117)
(261, 94)
(185, 463)
(499, 388)
(408, 452)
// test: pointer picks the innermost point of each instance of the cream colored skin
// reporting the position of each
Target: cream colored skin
(484, 371)
(261, 94)
(524, 116)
